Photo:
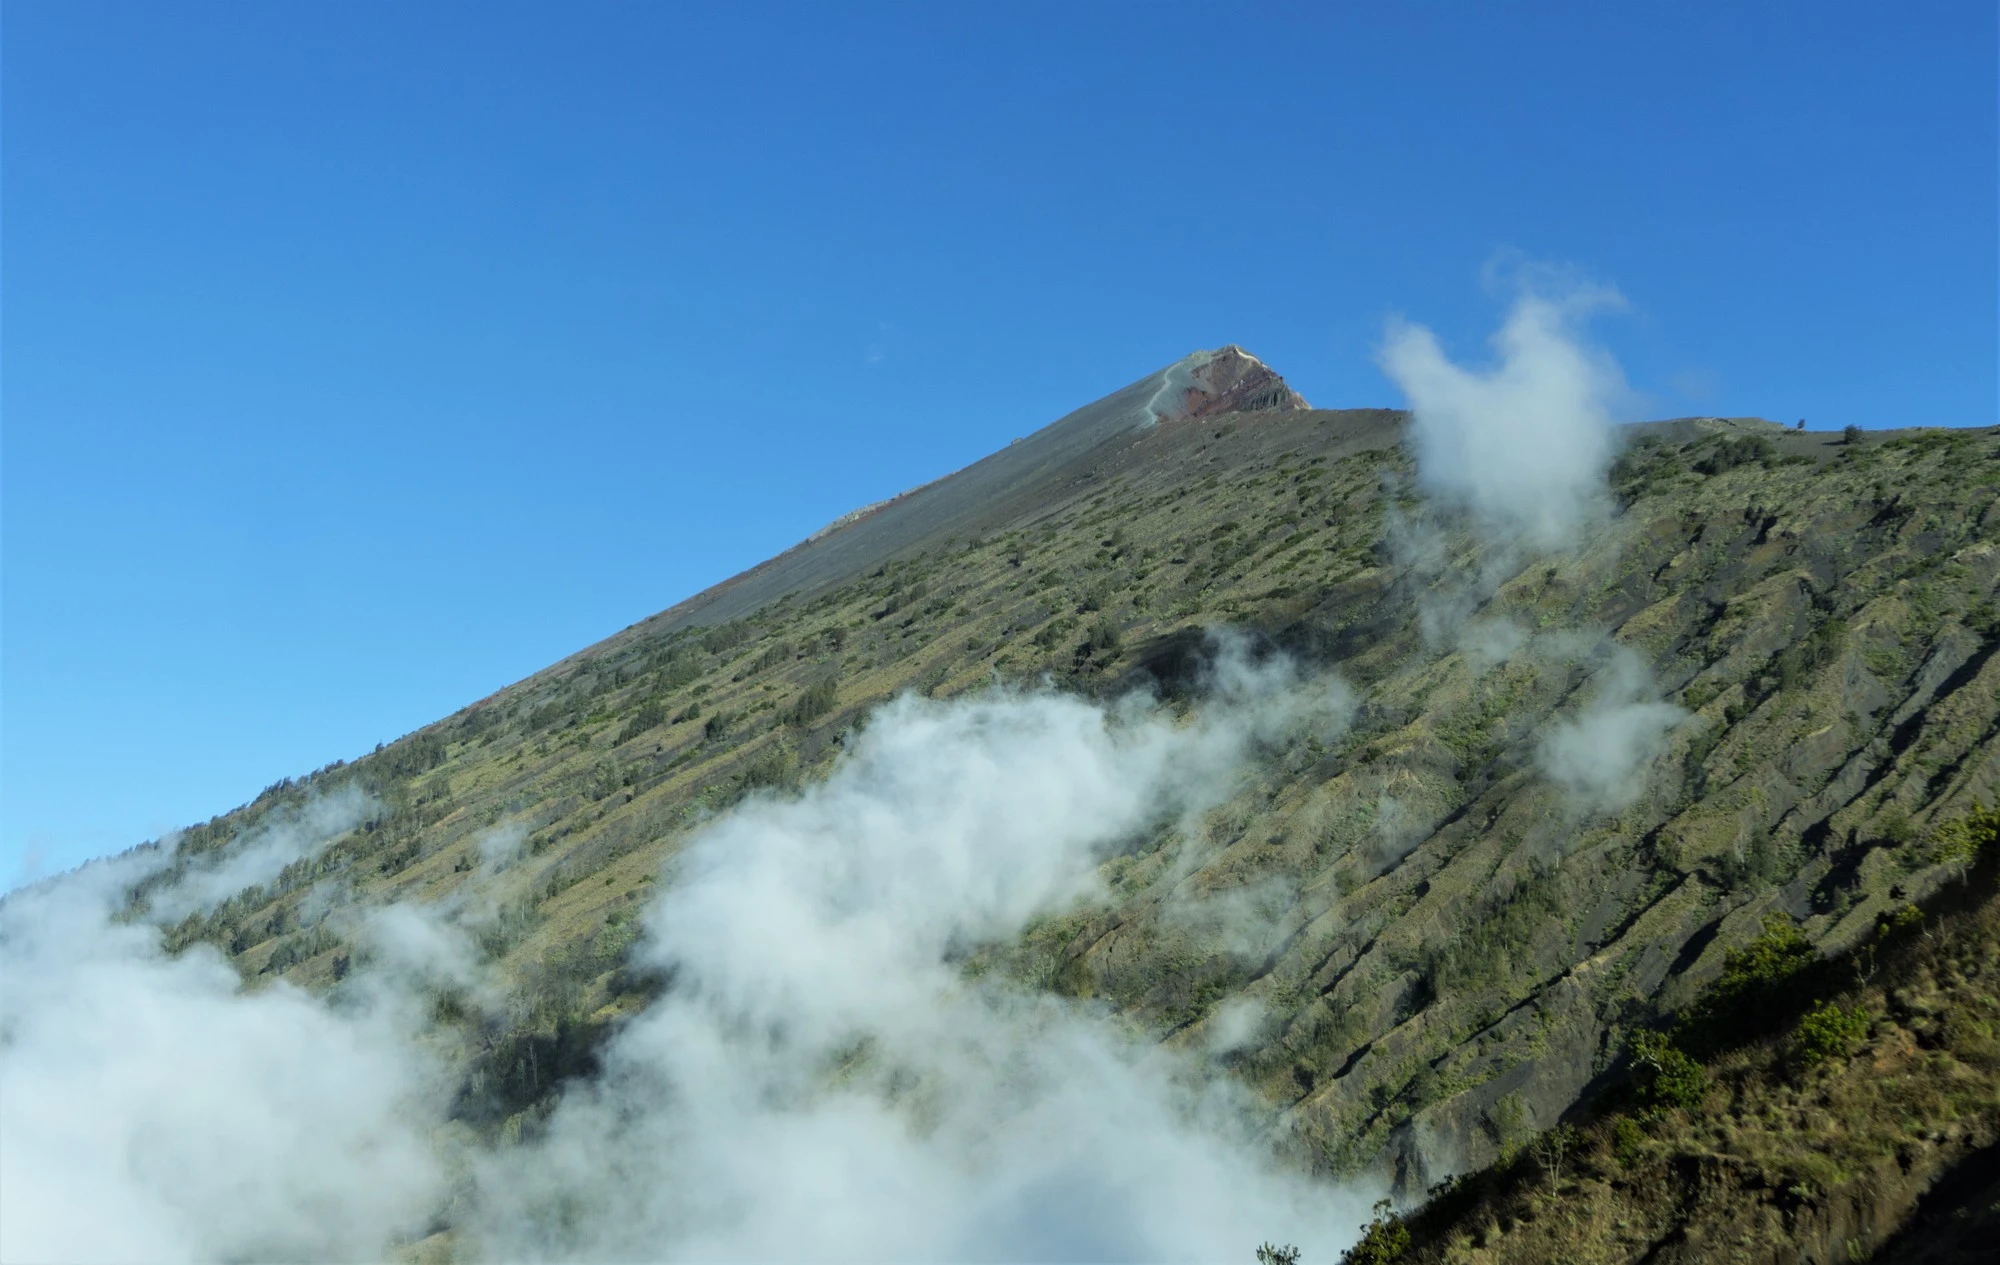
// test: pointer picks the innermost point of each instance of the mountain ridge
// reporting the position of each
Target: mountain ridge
(1200, 385)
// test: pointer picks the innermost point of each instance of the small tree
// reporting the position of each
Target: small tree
(1957, 843)
(819, 699)
(1383, 1240)
(1104, 637)
(1759, 972)
(1850, 434)
(1628, 1141)
(1894, 827)
(1551, 1148)
(1667, 1077)
(1269, 1255)
(1507, 1119)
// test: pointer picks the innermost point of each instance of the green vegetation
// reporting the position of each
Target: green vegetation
(1727, 454)
(1960, 843)
(1876, 1090)
(1666, 1079)
(1385, 1239)
(817, 700)
(1828, 1032)
(1753, 983)
(1421, 916)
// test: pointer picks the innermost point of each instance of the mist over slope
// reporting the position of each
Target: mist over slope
(1168, 834)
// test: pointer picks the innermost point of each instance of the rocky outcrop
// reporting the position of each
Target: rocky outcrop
(1228, 380)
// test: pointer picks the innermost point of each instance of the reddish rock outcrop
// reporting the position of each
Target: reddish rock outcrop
(1231, 380)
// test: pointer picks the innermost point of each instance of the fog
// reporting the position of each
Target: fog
(258, 857)
(1599, 755)
(825, 1079)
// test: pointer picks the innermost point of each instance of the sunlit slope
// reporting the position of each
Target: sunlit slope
(1397, 940)
(1017, 484)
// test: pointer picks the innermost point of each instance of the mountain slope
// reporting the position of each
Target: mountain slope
(1413, 941)
(1871, 1137)
(1009, 486)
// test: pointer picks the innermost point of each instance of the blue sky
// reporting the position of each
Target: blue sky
(361, 359)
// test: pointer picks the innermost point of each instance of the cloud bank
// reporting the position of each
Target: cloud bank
(151, 1110)
(824, 1076)
(824, 1080)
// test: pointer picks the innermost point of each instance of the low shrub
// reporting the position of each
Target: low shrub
(1667, 1078)
(1627, 1141)
(1731, 453)
(1753, 985)
(1828, 1032)
(1960, 842)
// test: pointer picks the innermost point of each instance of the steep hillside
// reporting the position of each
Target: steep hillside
(1013, 485)
(1574, 781)
(1848, 1110)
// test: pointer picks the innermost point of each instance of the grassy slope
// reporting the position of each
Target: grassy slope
(1442, 949)
(1779, 1159)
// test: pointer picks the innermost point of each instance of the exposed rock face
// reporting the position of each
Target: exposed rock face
(1229, 380)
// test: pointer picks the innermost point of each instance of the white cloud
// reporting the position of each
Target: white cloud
(1522, 445)
(821, 1081)
(261, 855)
(152, 1110)
(501, 846)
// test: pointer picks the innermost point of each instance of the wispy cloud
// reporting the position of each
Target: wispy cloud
(1521, 447)
(258, 857)
(1521, 444)
(1599, 755)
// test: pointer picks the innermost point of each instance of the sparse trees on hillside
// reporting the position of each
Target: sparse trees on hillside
(819, 699)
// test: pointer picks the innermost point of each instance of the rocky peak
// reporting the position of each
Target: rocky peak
(1228, 380)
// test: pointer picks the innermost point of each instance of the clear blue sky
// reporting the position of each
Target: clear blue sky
(363, 358)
